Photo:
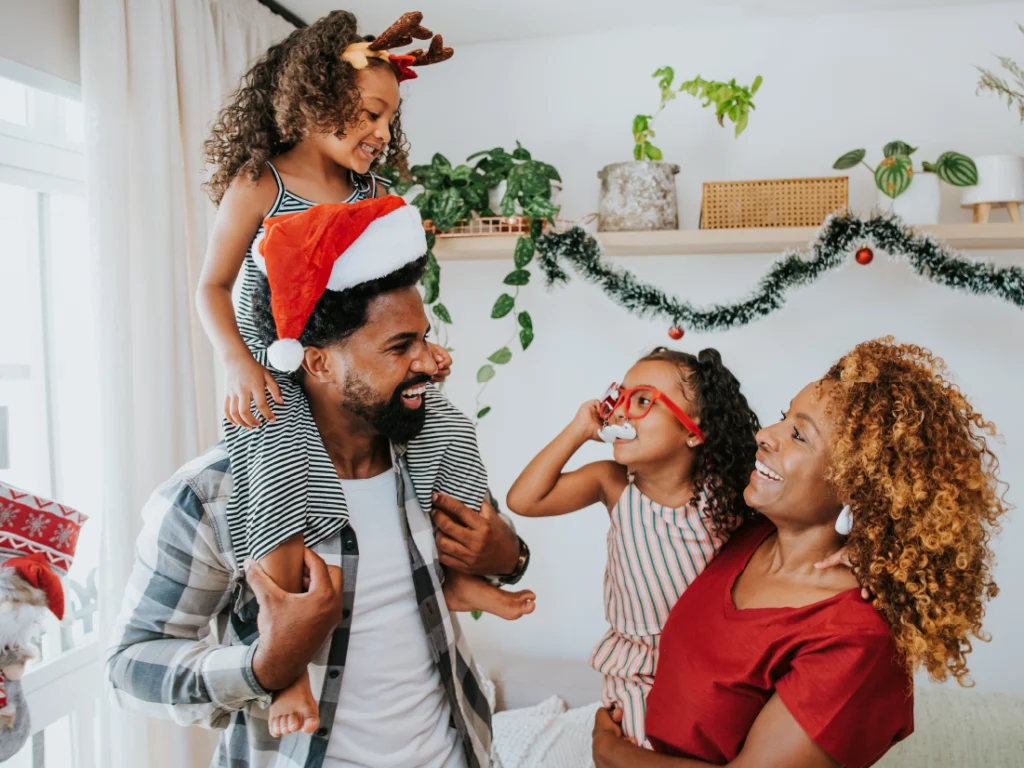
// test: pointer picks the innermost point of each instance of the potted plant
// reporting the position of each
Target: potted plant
(912, 195)
(641, 195)
(517, 184)
(1001, 177)
(449, 193)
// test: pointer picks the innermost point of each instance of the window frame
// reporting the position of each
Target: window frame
(67, 684)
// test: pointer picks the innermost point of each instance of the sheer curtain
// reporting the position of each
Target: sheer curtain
(154, 74)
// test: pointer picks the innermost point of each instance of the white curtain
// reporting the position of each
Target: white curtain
(154, 74)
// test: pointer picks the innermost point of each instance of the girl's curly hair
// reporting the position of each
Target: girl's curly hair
(910, 457)
(725, 459)
(300, 86)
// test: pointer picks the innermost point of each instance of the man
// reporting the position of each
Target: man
(395, 680)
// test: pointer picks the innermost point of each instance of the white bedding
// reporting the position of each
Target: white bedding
(548, 735)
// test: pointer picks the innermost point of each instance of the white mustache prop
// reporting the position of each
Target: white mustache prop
(612, 432)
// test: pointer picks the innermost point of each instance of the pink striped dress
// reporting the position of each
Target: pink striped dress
(654, 553)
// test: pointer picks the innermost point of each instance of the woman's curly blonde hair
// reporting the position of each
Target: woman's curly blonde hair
(910, 457)
(300, 86)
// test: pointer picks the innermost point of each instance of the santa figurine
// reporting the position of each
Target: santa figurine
(37, 545)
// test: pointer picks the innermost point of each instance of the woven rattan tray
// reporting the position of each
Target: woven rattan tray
(772, 202)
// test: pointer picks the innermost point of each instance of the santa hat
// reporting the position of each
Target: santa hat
(38, 538)
(332, 247)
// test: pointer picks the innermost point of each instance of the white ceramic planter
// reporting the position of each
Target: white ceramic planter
(919, 205)
(1000, 180)
(496, 194)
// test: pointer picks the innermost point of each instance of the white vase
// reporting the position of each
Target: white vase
(495, 195)
(919, 205)
(1000, 180)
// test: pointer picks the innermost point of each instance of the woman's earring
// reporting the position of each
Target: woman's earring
(844, 523)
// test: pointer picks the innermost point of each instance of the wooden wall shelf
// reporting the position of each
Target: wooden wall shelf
(773, 241)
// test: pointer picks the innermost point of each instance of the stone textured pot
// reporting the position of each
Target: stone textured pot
(919, 205)
(638, 195)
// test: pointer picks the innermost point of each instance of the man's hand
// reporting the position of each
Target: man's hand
(293, 626)
(477, 543)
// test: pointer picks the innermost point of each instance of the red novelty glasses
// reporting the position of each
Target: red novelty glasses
(639, 401)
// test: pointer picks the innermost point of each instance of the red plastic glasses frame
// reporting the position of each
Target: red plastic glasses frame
(615, 396)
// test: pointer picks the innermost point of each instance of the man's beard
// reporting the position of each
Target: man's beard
(390, 418)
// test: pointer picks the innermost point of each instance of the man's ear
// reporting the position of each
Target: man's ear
(322, 365)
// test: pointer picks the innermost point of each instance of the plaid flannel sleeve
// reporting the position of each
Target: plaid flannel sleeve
(164, 662)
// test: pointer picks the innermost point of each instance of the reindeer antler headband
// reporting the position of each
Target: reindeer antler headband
(399, 34)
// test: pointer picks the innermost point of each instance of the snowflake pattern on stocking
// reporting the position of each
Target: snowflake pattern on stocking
(35, 525)
(8, 515)
(63, 535)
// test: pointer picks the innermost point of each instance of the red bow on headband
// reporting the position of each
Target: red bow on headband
(404, 64)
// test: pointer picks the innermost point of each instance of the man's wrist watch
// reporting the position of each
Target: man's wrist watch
(521, 565)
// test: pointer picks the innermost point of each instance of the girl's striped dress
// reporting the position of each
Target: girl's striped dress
(284, 482)
(654, 553)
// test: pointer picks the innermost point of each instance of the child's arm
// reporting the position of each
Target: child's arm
(543, 490)
(239, 216)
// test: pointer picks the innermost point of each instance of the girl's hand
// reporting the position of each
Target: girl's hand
(587, 423)
(443, 360)
(248, 382)
(841, 559)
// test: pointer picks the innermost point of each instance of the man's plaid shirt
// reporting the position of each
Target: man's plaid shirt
(185, 639)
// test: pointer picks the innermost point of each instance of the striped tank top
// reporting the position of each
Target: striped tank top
(654, 553)
(284, 481)
(364, 187)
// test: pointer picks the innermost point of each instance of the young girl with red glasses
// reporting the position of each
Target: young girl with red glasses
(684, 448)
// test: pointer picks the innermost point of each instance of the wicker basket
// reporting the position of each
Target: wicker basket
(772, 202)
(483, 227)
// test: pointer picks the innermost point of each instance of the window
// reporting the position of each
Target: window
(48, 380)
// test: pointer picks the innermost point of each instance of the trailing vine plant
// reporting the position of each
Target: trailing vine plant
(452, 193)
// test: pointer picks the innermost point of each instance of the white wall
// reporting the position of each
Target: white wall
(830, 84)
(42, 34)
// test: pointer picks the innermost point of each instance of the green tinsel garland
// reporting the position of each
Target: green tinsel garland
(839, 236)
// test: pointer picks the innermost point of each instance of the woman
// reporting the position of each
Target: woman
(770, 661)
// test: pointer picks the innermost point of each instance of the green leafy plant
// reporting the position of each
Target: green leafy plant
(530, 183)
(732, 102)
(1012, 92)
(453, 193)
(895, 173)
(450, 193)
(505, 306)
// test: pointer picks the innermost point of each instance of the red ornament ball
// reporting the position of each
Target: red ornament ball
(675, 333)
(865, 256)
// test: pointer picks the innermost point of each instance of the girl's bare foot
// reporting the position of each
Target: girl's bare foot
(471, 593)
(294, 709)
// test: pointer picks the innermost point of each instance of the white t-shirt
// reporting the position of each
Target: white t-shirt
(392, 709)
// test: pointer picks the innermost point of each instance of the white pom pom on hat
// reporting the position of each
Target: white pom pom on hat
(331, 246)
(286, 355)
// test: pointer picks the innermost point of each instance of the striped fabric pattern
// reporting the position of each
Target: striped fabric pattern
(285, 483)
(183, 645)
(654, 553)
